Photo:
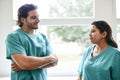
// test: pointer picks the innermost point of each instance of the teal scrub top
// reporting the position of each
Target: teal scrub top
(37, 45)
(105, 66)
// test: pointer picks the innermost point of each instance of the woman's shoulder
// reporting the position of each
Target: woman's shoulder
(91, 47)
(115, 50)
(88, 50)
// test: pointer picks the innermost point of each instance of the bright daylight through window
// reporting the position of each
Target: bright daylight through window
(118, 9)
(59, 8)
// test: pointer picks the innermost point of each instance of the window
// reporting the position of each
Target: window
(66, 23)
(65, 16)
(118, 9)
(68, 43)
(118, 22)
(118, 35)
(59, 8)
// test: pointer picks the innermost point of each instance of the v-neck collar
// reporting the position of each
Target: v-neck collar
(102, 53)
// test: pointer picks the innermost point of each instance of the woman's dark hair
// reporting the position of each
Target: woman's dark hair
(23, 12)
(104, 26)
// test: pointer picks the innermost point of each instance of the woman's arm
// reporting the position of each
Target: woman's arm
(79, 77)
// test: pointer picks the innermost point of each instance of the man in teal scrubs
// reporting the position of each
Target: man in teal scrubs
(102, 60)
(29, 50)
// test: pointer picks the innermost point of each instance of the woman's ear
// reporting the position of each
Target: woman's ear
(104, 34)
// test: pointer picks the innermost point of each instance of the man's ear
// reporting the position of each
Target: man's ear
(22, 19)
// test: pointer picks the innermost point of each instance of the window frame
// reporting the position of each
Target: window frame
(99, 15)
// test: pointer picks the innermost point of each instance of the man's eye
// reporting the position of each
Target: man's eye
(33, 17)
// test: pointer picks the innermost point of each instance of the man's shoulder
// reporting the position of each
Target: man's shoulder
(13, 33)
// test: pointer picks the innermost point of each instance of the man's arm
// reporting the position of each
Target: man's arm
(15, 67)
(30, 63)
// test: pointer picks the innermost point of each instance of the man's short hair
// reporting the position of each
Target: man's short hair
(23, 12)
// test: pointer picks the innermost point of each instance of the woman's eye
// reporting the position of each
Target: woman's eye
(92, 31)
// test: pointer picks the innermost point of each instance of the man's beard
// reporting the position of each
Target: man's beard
(31, 26)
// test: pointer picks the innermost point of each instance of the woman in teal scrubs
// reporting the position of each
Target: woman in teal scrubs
(100, 61)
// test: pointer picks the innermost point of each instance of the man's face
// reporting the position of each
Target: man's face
(32, 20)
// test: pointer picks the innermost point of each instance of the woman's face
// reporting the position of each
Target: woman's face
(95, 36)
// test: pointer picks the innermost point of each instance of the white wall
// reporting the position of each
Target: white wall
(105, 9)
(5, 28)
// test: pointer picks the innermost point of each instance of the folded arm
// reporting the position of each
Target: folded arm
(23, 62)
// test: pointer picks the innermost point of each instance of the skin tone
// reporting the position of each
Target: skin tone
(99, 39)
(79, 77)
(23, 62)
(31, 22)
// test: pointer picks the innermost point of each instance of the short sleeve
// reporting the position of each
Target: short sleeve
(81, 66)
(85, 55)
(116, 67)
(13, 45)
(48, 46)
